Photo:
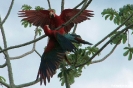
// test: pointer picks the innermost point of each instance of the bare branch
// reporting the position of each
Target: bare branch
(105, 57)
(27, 84)
(5, 84)
(2, 66)
(38, 53)
(79, 4)
(65, 75)
(113, 31)
(29, 52)
(75, 27)
(10, 8)
(49, 4)
(23, 55)
(24, 44)
(9, 67)
(62, 5)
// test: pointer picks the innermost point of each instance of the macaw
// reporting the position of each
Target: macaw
(59, 40)
(48, 17)
(53, 54)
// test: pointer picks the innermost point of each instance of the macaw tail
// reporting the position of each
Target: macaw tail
(50, 61)
(76, 38)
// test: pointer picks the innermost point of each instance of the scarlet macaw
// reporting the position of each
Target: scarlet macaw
(53, 54)
(48, 17)
(58, 42)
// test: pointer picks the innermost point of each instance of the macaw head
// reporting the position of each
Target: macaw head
(52, 13)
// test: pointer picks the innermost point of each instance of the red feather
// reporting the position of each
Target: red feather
(42, 17)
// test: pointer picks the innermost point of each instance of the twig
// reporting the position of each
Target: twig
(24, 44)
(65, 75)
(9, 68)
(75, 27)
(38, 53)
(27, 84)
(105, 45)
(2, 66)
(105, 57)
(29, 52)
(10, 8)
(113, 31)
(79, 4)
(5, 84)
(83, 8)
(49, 4)
(62, 5)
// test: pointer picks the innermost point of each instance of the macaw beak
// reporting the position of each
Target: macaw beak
(51, 14)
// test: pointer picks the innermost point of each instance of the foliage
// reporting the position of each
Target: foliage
(27, 24)
(118, 17)
(77, 58)
(129, 52)
(2, 79)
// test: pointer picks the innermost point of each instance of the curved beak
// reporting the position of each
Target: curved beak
(51, 14)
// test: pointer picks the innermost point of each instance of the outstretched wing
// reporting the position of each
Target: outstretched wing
(67, 14)
(50, 61)
(36, 17)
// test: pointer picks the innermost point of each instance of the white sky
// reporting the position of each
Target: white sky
(115, 72)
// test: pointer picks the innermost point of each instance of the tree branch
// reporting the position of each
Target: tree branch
(82, 9)
(5, 84)
(75, 27)
(10, 8)
(79, 4)
(62, 5)
(2, 66)
(105, 57)
(24, 44)
(49, 4)
(105, 45)
(9, 68)
(65, 75)
(29, 52)
(38, 53)
(27, 84)
(113, 31)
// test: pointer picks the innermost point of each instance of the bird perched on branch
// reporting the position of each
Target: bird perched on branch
(48, 17)
(53, 54)
(59, 40)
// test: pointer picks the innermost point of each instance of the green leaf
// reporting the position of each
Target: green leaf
(126, 47)
(130, 56)
(26, 7)
(39, 8)
(126, 53)
(0, 48)
(106, 17)
(2, 79)
(124, 36)
(111, 17)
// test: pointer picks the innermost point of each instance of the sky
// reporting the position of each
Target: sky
(115, 72)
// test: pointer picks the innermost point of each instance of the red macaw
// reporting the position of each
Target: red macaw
(48, 17)
(53, 54)
(59, 41)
